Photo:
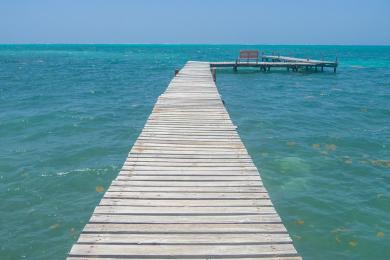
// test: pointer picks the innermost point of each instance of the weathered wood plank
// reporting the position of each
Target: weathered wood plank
(195, 228)
(173, 251)
(186, 195)
(185, 238)
(186, 258)
(189, 189)
(206, 172)
(190, 160)
(176, 211)
(227, 185)
(185, 219)
(186, 203)
(137, 177)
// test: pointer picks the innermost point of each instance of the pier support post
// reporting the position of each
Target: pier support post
(322, 68)
(214, 73)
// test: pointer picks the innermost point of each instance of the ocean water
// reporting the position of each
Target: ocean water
(70, 113)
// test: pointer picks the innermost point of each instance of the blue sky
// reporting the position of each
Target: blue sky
(196, 21)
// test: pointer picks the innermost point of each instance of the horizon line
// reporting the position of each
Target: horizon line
(248, 44)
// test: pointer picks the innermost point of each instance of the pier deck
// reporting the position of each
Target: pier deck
(272, 61)
(278, 58)
(188, 189)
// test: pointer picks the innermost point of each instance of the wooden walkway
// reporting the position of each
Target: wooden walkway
(272, 61)
(279, 58)
(188, 189)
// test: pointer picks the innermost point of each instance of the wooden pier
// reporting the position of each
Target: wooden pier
(188, 189)
(275, 61)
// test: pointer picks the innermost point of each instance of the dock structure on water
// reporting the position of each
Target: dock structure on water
(276, 61)
(188, 189)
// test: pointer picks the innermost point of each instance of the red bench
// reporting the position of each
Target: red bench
(248, 55)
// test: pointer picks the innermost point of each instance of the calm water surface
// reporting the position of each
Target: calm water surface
(69, 115)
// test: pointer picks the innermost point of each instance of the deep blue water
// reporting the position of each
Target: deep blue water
(70, 113)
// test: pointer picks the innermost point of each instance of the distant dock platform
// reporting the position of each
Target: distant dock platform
(275, 61)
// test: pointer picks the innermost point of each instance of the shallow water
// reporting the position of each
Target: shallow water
(70, 113)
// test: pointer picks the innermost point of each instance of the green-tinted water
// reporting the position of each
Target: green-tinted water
(69, 114)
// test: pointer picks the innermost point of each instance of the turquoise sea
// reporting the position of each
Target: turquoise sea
(69, 114)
